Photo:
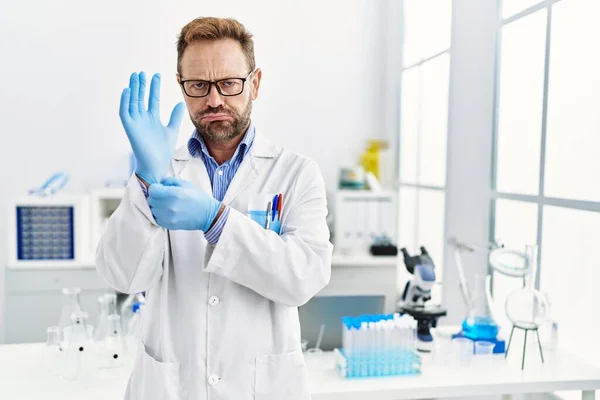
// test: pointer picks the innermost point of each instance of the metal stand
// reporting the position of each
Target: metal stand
(526, 329)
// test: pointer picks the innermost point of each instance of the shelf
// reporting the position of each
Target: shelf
(50, 265)
(363, 260)
(362, 194)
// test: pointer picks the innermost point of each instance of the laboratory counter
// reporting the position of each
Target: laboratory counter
(23, 377)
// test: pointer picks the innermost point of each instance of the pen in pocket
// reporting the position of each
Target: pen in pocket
(268, 219)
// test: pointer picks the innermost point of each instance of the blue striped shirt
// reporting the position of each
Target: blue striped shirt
(220, 175)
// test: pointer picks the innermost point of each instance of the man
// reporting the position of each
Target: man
(227, 236)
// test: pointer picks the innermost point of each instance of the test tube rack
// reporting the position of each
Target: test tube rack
(378, 346)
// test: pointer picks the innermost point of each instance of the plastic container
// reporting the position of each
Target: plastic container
(462, 351)
(484, 348)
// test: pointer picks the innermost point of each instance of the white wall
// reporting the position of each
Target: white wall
(65, 62)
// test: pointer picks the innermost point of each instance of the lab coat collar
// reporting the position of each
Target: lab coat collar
(261, 147)
(261, 153)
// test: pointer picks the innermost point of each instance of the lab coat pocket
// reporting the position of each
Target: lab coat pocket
(152, 379)
(281, 376)
(260, 217)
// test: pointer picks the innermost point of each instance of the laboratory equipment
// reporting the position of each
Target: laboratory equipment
(362, 216)
(383, 246)
(108, 306)
(133, 326)
(128, 309)
(112, 348)
(417, 294)
(54, 356)
(462, 350)
(527, 308)
(317, 348)
(52, 185)
(372, 182)
(79, 357)
(378, 345)
(71, 304)
(480, 323)
(49, 229)
(372, 160)
(484, 348)
(352, 178)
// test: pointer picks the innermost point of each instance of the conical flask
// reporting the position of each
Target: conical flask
(79, 347)
(480, 323)
(71, 305)
(108, 306)
(113, 345)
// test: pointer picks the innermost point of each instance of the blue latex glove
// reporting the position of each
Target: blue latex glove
(178, 204)
(152, 143)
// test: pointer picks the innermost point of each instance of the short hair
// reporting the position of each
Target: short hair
(211, 28)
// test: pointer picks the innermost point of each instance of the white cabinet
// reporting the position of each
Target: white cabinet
(34, 298)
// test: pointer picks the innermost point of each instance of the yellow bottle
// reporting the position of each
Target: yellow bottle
(370, 160)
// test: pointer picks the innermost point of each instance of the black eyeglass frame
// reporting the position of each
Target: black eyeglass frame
(211, 83)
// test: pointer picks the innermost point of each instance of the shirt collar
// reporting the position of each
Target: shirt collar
(196, 144)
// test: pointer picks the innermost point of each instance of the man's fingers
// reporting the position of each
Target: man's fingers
(159, 191)
(124, 107)
(142, 93)
(176, 117)
(134, 87)
(172, 181)
(154, 102)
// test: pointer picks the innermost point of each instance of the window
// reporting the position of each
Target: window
(546, 160)
(423, 129)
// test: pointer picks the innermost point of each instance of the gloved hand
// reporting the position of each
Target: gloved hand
(178, 204)
(152, 143)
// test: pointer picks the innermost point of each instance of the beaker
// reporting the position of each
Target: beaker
(112, 347)
(54, 356)
(480, 324)
(462, 351)
(79, 346)
(70, 305)
(484, 348)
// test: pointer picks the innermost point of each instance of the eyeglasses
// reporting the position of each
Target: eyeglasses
(226, 87)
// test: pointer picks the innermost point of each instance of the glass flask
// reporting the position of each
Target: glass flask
(54, 356)
(112, 347)
(480, 323)
(527, 308)
(79, 347)
(71, 304)
(108, 306)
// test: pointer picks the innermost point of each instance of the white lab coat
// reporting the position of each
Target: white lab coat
(221, 322)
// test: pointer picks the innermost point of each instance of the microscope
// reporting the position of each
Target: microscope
(417, 293)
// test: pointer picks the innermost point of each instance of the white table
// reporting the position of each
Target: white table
(22, 377)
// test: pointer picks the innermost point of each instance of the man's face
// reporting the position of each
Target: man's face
(219, 118)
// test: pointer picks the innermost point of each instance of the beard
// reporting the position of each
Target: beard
(222, 131)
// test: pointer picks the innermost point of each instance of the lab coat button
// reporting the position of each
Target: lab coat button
(213, 380)
(214, 301)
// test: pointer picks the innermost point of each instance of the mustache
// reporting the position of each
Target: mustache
(213, 110)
